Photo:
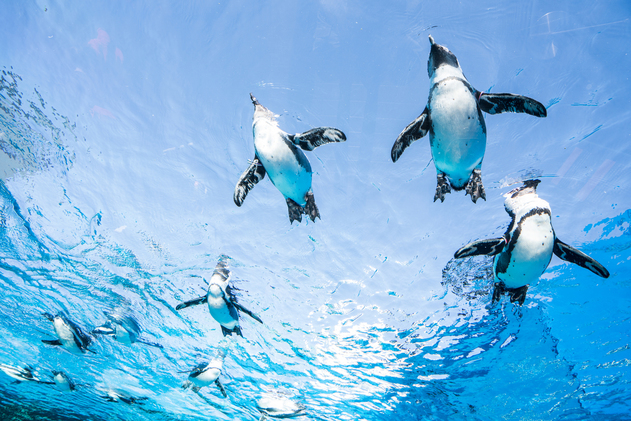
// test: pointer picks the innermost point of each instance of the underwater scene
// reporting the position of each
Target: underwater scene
(315, 210)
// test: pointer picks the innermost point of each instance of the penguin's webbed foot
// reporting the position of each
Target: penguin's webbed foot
(518, 295)
(497, 292)
(311, 210)
(442, 187)
(295, 211)
(475, 187)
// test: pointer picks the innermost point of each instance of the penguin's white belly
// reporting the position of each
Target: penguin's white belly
(458, 140)
(12, 372)
(123, 336)
(65, 335)
(280, 162)
(221, 313)
(532, 252)
(206, 378)
(62, 382)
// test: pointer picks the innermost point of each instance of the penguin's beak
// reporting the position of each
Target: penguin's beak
(254, 100)
(431, 40)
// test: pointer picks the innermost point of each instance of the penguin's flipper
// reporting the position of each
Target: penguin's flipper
(248, 312)
(44, 382)
(221, 388)
(414, 131)
(295, 211)
(251, 176)
(511, 103)
(489, 247)
(313, 138)
(194, 302)
(55, 342)
(310, 209)
(103, 330)
(149, 343)
(570, 254)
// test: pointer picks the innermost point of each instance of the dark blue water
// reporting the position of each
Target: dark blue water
(124, 128)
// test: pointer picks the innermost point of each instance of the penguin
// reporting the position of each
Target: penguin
(123, 328)
(63, 382)
(457, 132)
(277, 406)
(525, 250)
(117, 395)
(21, 374)
(277, 153)
(222, 303)
(71, 337)
(205, 374)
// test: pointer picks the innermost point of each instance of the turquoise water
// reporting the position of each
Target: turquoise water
(125, 127)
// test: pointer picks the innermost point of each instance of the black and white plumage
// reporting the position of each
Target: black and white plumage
(457, 131)
(21, 374)
(525, 250)
(279, 406)
(222, 303)
(278, 154)
(123, 328)
(63, 382)
(118, 395)
(70, 335)
(205, 374)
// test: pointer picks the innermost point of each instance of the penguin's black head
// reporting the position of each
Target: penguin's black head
(199, 369)
(439, 56)
(530, 186)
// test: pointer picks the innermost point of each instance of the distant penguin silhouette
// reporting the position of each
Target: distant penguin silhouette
(118, 395)
(276, 153)
(63, 382)
(278, 406)
(21, 374)
(222, 303)
(124, 328)
(205, 374)
(457, 132)
(525, 250)
(71, 336)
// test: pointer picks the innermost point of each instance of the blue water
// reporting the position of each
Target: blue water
(126, 125)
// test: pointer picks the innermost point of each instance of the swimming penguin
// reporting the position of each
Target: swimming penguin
(457, 132)
(525, 250)
(276, 153)
(205, 374)
(277, 406)
(63, 382)
(222, 303)
(117, 395)
(124, 328)
(21, 374)
(70, 335)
